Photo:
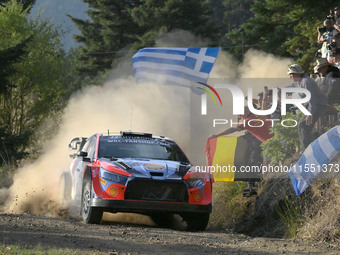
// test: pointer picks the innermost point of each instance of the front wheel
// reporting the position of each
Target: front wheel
(89, 213)
(163, 220)
(196, 221)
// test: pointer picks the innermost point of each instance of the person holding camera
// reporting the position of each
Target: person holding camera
(325, 35)
(332, 47)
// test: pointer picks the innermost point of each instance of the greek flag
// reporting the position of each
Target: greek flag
(177, 66)
(314, 160)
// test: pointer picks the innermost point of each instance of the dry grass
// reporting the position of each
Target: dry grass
(322, 215)
(229, 207)
(278, 212)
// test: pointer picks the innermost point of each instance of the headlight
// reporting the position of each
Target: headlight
(112, 177)
(195, 182)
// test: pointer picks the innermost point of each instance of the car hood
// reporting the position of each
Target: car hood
(152, 168)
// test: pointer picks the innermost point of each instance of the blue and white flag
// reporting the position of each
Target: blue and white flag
(315, 160)
(178, 66)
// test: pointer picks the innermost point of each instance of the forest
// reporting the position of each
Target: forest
(37, 76)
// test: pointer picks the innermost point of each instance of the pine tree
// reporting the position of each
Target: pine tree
(33, 78)
(110, 29)
(11, 146)
(7, 58)
(155, 16)
(124, 24)
(284, 28)
(26, 3)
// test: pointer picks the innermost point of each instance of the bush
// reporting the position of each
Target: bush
(285, 141)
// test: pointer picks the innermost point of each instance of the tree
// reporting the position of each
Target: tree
(230, 14)
(154, 17)
(284, 28)
(11, 145)
(8, 58)
(285, 141)
(26, 4)
(110, 29)
(34, 72)
(125, 24)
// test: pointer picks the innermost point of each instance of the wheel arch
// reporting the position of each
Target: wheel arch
(87, 177)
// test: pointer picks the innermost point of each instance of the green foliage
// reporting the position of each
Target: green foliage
(290, 214)
(8, 58)
(27, 4)
(35, 75)
(167, 15)
(122, 25)
(284, 28)
(234, 13)
(109, 30)
(285, 141)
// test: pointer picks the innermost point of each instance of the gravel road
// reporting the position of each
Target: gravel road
(119, 238)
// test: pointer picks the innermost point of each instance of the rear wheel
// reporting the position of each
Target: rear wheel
(89, 213)
(196, 221)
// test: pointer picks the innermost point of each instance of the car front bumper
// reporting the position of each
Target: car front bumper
(145, 207)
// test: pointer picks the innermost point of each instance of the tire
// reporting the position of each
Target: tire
(163, 220)
(196, 221)
(89, 213)
(64, 189)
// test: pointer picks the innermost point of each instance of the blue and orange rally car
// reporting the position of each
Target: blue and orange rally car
(136, 172)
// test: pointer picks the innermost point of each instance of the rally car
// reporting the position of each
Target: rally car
(136, 172)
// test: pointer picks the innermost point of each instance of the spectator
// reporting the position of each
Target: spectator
(336, 58)
(259, 100)
(316, 76)
(337, 19)
(316, 105)
(328, 74)
(257, 103)
(335, 44)
(267, 98)
(325, 35)
(331, 84)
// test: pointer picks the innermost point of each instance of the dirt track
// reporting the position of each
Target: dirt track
(115, 238)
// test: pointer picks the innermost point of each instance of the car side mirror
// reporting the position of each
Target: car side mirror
(83, 154)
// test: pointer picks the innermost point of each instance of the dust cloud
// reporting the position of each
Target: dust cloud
(259, 64)
(121, 104)
(117, 105)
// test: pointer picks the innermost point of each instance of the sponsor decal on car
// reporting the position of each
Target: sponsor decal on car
(153, 166)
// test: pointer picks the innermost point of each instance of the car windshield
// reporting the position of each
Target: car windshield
(139, 147)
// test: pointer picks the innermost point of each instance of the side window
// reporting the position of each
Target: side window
(92, 148)
(86, 145)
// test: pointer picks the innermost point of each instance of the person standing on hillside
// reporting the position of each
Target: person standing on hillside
(337, 19)
(325, 35)
(330, 83)
(317, 104)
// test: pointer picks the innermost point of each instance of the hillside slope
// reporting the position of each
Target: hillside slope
(57, 12)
